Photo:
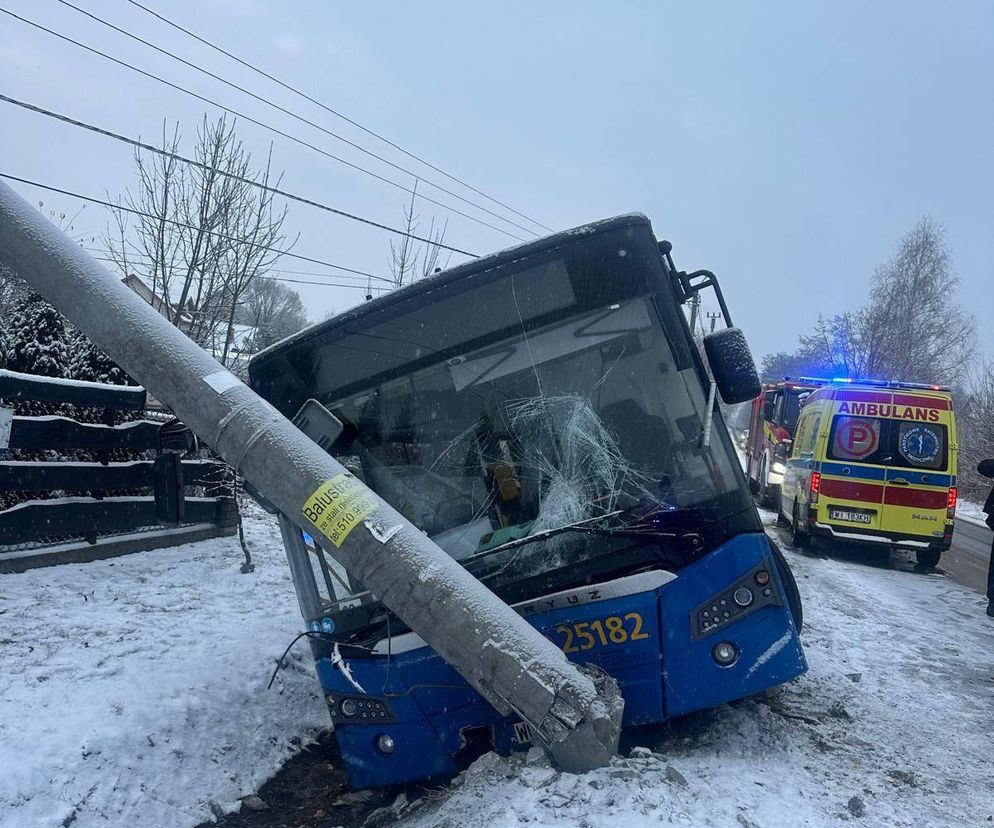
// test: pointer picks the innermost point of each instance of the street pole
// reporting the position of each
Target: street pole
(576, 715)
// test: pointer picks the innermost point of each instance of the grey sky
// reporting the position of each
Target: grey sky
(785, 146)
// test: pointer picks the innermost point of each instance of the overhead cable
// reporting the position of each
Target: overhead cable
(252, 120)
(192, 162)
(331, 111)
(289, 112)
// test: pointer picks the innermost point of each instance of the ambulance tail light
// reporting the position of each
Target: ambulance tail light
(814, 486)
(951, 503)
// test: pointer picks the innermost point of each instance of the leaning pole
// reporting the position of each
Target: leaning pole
(577, 716)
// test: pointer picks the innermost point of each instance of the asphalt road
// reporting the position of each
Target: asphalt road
(967, 560)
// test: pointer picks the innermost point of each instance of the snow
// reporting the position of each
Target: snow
(971, 512)
(151, 673)
(892, 721)
(133, 390)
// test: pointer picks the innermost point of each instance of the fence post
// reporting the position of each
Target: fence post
(502, 656)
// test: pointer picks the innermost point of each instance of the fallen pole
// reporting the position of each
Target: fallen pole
(577, 716)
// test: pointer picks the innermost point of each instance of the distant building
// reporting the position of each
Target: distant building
(167, 309)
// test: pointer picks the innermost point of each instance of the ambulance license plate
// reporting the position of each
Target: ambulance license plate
(851, 515)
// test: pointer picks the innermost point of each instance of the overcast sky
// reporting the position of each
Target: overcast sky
(785, 146)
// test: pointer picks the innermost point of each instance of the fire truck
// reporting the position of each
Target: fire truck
(771, 430)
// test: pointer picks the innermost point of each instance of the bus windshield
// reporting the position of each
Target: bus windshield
(499, 407)
(567, 423)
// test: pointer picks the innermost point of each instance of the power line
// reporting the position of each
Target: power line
(334, 112)
(189, 226)
(144, 259)
(252, 120)
(269, 278)
(286, 111)
(192, 162)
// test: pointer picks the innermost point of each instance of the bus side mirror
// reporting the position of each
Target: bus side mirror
(986, 468)
(732, 365)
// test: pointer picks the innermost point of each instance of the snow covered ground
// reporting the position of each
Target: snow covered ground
(892, 725)
(967, 510)
(133, 691)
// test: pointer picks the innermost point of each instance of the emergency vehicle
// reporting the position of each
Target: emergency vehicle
(771, 430)
(874, 461)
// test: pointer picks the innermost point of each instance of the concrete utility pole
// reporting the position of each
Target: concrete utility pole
(576, 715)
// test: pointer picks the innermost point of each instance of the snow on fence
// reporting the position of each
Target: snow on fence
(76, 476)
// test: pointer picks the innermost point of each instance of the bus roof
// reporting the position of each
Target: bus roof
(446, 277)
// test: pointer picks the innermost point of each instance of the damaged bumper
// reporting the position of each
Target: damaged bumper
(674, 643)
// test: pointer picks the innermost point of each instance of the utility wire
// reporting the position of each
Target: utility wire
(194, 163)
(292, 114)
(188, 226)
(252, 120)
(145, 259)
(270, 278)
(334, 112)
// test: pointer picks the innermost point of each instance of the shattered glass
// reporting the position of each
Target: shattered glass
(570, 422)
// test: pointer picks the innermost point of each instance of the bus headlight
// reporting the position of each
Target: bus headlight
(725, 653)
(348, 707)
(742, 596)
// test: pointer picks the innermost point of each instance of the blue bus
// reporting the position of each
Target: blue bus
(545, 415)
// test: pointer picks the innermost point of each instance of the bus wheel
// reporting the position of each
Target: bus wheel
(798, 539)
(789, 585)
(928, 558)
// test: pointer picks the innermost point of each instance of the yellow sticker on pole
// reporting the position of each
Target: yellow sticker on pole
(338, 506)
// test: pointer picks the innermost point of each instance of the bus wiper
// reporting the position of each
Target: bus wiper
(587, 526)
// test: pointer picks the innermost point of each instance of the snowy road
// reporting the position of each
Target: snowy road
(133, 693)
(967, 560)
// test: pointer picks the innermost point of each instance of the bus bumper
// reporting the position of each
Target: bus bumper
(416, 719)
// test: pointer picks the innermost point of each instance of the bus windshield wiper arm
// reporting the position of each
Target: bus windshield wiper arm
(587, 526)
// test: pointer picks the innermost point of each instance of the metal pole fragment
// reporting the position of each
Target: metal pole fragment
(576, 714)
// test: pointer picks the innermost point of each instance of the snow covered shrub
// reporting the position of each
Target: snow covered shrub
(37, 339)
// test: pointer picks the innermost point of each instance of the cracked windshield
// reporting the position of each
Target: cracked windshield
(542, 431)
(446, 414)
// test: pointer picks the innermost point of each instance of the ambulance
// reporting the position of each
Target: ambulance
(874, 461)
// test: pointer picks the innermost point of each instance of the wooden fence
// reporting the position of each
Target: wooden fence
(76, 476)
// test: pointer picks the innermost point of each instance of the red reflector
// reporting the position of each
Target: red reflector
(952, 498)
(815, 482)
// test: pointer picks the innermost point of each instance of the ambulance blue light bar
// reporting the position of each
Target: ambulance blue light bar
(877, 383)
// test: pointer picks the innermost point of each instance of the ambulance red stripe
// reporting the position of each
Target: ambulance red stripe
(848, 490)
(921, 402)
(917, 498)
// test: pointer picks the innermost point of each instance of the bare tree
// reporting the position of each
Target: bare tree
(411, 260)
(911, 327)
(273, 311)
(256, 227)
(976, 430)
(205, 232)
(151, 247)
(207, 196)
(916, 329)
